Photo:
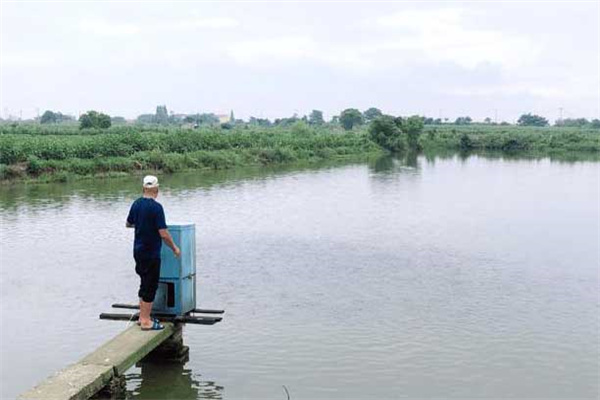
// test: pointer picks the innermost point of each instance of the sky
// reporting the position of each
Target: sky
(496, 59)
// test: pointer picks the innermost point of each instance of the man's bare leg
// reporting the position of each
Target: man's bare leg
(145, 310)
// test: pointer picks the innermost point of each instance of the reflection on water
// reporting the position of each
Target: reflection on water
(43, 195)
(169, 381)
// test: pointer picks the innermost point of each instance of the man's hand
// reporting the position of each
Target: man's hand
(176, 251)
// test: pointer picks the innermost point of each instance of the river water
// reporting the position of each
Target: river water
(426, 277)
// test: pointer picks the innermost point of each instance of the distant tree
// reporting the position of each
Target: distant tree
(208, 119)
(595, 124)
(431, 121)
(371, 114)
(532, 120)
(287, 121)
(487, 120)
(350, 118)
(316, 118)
(118, 120)
(412, 127)
(384, 131)
(504, 123)
(50, 117)
(145, 119)
(259, 121)
(231, 118)
(573, 122)
(463, 120)
(201, 119)
(175, 119)
(335, 120)
(161, 116)
(94, 119)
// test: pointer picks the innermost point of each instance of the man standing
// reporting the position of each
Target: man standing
(148, 218)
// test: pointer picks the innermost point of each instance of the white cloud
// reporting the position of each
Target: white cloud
(412, 36)
(270, 50)
(273, 52)
(24, 59)
(528, 89)
(102, 27)
(443, 36)
(202, 23)
(570, 88)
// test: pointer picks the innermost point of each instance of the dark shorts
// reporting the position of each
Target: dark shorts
(149, 272)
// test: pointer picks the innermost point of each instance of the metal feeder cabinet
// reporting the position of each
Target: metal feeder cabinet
(176, 294)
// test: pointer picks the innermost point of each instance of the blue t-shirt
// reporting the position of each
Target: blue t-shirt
(148, 217)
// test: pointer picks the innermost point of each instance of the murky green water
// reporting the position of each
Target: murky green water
(427, 277)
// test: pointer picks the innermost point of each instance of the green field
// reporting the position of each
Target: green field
(511, 138)
(59, 152)
(63, 154)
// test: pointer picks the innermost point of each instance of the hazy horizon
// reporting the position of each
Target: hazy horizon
(274, 59)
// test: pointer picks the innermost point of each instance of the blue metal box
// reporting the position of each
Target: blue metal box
(176, 294)
(184, 237)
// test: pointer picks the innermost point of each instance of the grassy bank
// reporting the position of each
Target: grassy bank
(47, 157)
(61, 153)
(511, 138)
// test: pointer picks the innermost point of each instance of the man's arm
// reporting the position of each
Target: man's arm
(130, 222)
(166, 237)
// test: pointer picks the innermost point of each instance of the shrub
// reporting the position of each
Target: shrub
(385, 132)
(465, 142)
(94, 119)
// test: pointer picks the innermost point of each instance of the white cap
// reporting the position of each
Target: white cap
(150, 181)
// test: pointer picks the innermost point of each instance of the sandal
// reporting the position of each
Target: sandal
(156, 326)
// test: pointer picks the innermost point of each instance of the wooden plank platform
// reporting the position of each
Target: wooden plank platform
(86, 377)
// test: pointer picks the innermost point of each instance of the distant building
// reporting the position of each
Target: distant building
(223, 118)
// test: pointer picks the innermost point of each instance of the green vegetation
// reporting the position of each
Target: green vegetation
(510, 138)
(124, 150)
(532, 120)
(372, 113)
(50, 117)
(316, 118)
(175, 142)
(350, 118)
(396, 134)
(94, 119)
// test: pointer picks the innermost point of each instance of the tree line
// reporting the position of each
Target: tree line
(348, 119)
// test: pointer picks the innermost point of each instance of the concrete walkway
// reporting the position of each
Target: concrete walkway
(85, 378)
